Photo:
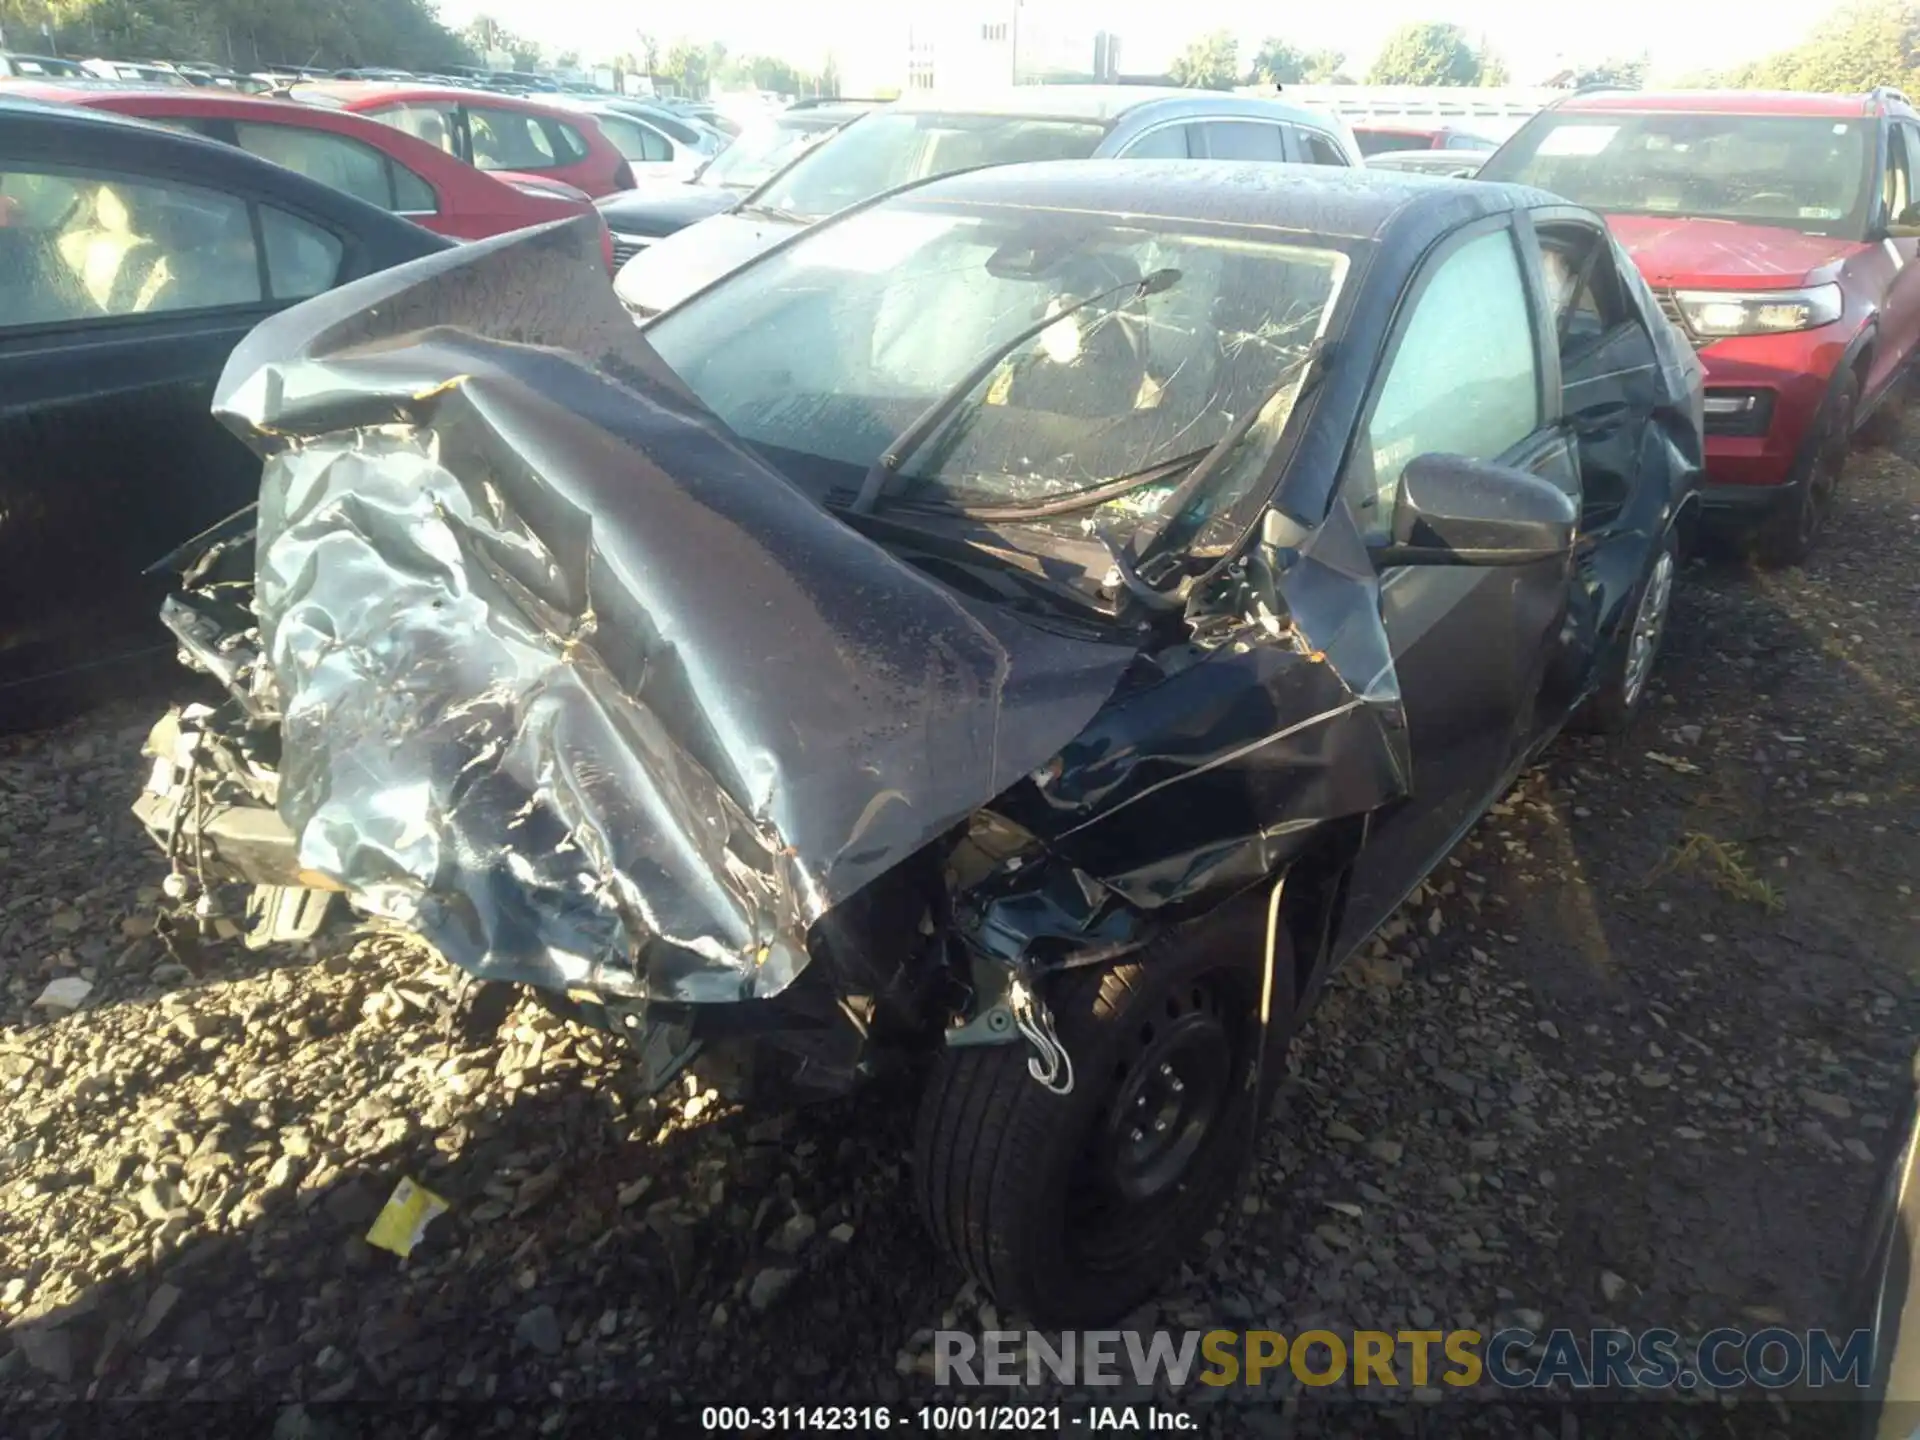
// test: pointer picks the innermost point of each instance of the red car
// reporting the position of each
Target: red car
(490, 131)
(1381, 137)
(1780, 233)
(371, 162)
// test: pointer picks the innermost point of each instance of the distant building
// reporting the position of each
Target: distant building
(1495, 112)
(971, 47)
(982, 46)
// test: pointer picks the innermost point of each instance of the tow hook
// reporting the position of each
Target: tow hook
(1008, 1006)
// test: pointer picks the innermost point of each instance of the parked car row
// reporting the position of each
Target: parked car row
(920, 137)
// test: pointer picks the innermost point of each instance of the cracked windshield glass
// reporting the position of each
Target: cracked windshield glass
(1171, 337)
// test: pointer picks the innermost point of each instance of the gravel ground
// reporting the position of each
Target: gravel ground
(1632, 1059)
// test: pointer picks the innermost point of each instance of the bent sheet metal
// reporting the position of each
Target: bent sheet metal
(576, 685)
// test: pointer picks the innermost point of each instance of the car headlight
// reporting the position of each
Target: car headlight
(1716, 313)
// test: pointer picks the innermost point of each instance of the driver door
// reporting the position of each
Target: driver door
(1463, 374)
(1900, 308)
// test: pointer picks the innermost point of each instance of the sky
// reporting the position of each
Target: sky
(1679, 36)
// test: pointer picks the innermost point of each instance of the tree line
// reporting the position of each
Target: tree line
(1876, 42)
(333, 34)
(1860, 45)
(1423, 53)
(247, 34)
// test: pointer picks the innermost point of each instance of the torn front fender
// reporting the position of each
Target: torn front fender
(1185, 791)
(571, 681)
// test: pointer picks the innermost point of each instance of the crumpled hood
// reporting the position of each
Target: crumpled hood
(1676, 252)
(570, 680)
(664, 274)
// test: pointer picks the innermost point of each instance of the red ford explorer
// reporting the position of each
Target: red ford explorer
(1780, 232)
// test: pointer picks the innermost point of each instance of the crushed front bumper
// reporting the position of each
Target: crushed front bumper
(208, 805)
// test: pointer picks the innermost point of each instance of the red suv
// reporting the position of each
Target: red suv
(1780, 233)
(492, 132)
(1384, 137)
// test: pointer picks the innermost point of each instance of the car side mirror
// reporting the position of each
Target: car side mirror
(1454, 511)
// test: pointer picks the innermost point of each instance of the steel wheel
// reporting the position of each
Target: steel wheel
(1649, 628)
(1789, 538)
(1823, 480)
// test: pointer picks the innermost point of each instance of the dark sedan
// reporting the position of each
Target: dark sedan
(132, 260)
(640, 216)
(1035, 625)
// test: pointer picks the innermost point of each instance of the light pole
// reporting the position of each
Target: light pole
(1013, 59)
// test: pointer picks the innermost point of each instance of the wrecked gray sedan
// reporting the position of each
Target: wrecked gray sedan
(1025, 631)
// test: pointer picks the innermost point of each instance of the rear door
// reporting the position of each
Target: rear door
(1463, 375)
(1610, 386)
(120, 298)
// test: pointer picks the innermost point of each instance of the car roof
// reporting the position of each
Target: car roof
(825, 114)
(1720, 102)
(66, 87)
(1101, 103)
(20, 105)
(171, 100)
(350, 91)
(1328, 201)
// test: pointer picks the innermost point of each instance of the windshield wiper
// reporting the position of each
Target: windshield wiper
(1144, 538)
(774, 212)
(923, 425)
(1066, 502)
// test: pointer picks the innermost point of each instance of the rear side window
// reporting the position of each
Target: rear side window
(411, 194)
(334, 160)
(1169, 142)
(1244, 140)
(1320, 149)
(570, 146)
(431, 123)
(635, 141)
(509, 140)
(302, 259)
(77, 246)
(678, 129)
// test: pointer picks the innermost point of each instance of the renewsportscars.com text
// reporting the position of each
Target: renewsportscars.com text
(1510, 1359)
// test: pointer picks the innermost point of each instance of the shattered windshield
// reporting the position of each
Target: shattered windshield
(834, 346)
(885, 150)
(1799, 172)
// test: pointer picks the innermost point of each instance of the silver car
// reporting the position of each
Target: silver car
(918, 138)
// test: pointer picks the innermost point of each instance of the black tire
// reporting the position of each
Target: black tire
(1024, 1188)
(1636, 650)
(1885, 426)
(1789, 538)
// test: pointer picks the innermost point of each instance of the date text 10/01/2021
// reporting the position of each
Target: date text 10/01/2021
(987, 1419)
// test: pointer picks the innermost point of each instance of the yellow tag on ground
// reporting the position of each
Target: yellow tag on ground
(405, 1217)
